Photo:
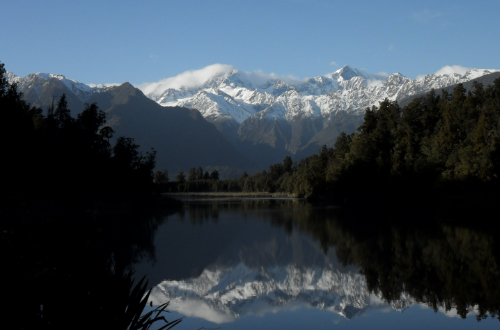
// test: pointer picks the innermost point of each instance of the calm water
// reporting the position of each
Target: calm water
(267, 264)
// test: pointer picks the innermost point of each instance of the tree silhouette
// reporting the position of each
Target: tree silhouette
(199, 173)
(161, 177)
(181, 177)
(214, 175)
(192, 174)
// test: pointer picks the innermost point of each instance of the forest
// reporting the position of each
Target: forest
(446, 143)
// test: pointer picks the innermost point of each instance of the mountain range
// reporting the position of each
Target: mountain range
(224, 294)
(181, 136)
(233, 123)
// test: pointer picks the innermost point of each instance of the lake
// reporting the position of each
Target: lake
(282, 263)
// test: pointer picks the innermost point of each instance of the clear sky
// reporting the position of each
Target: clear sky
(148, 40)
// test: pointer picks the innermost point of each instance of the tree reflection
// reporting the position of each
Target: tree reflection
(442, 257)
(441, 264)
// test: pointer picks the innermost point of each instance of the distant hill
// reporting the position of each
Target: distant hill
(181, 136)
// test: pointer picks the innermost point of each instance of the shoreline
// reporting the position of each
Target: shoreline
(228, 194)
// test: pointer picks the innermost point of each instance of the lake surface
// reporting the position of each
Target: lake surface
(281, 263)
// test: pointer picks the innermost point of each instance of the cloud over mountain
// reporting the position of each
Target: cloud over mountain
(449, 69)
(196, 78)
(187, 79)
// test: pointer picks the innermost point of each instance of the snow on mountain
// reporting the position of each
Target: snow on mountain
(12, 78)
(223, 294)
(259, 109)
(216, 105)
(225, 93)
(231, 95)
(37, 80)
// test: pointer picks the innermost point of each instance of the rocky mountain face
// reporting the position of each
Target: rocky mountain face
(276, 118)
(264, 121)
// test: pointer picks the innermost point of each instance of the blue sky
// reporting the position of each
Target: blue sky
(148, 40)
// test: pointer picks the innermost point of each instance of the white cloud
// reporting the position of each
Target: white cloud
(452, 312)
(374, 82)
(391, 47)
(193, 308)
(374, 79)
(196, 78)
(187, 79)
(449, 69)
(333, 63)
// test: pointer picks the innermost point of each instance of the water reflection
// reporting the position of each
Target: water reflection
(221, 260)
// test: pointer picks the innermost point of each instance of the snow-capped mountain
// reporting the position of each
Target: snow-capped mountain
(36, 81)
(231, 292)
(265, 119)
(231, 96)
(275, 111)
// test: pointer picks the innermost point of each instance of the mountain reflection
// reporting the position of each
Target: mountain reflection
(338, 260)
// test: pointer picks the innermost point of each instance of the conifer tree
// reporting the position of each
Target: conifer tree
(199, 173)
(192, 174)
(214, 175)
(62, 113)
(181, 177)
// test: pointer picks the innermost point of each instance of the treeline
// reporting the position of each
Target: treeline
(56, 155)
(197, 180)
(447, 141)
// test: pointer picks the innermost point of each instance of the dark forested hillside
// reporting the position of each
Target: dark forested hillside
(48, 157)
(434, 141)
(180, 136)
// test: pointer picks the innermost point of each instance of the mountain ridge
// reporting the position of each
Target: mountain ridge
(264, 120)
(276, 113)
(181, 136)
